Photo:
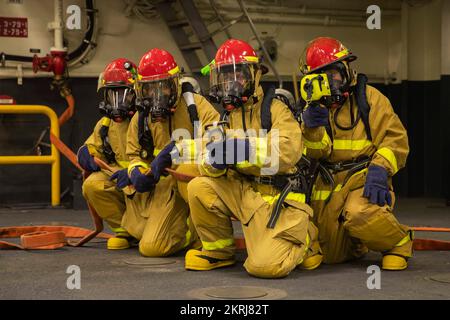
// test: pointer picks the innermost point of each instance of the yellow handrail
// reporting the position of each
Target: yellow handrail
(53, 159)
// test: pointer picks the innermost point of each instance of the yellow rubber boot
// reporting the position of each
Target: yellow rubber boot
(121, 241)
(198, 260)
(314, 257)
(312, 262)
(394, 262)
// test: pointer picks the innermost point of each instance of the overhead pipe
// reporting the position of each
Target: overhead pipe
(325, 21)
(351, 13)
(261, 44)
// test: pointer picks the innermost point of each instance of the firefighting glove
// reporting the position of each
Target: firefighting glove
(122, 178)
(86, 161)
(376, 188)
(163, 160)
(228, 151)
(141, 182)
(315, 116)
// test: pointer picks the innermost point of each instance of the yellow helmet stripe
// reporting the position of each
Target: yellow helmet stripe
(174, 70)
(251, 59)
(342, 53)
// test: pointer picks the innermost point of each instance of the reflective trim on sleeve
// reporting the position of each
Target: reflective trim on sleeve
(219, 244)
(261, 151)
(187, 149)
(355, 145)
(318, 145)
(210, 173)
(137, 164)
(156, 152)
(259, 145)
(389, 156)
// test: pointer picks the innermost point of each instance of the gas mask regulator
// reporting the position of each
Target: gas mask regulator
(157, 112)
(121, 112)
(322, 88)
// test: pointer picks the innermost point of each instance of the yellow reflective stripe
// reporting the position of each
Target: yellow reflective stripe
(318, 145)
(342, 53)
(123, 164)
(304, 151)
(261, 151)
(322, 195)
(137, 164)
(106, 121)
(188, 234)
(355, 145)
(389, 156)
(174, 70)
(188, 145)
(243, 165)
(188, 238)
(260, 147)
(219, 244)
(251, 59)
(156, 152)
(119, 230)
(210, 173)
(307, 243)
(404, 240)
(293, 196)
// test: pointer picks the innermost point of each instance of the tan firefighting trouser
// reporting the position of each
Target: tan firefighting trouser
(105, 198)
(272, 253)
(349, 225)
(160, 219)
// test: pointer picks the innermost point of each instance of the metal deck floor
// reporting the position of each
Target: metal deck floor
(106, 275)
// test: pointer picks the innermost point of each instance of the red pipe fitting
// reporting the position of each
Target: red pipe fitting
(54, 62)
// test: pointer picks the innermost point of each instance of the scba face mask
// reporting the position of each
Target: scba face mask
(339, 83)
(232, 84)
(329, 88)
(118, 103)
(158, 97)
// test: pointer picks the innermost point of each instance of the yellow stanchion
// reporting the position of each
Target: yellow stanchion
(53, 159)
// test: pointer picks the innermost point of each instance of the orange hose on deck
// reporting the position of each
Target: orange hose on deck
(431, 229)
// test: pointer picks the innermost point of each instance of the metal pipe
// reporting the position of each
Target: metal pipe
(57, 26)
(266, 54)
(53, 159)
(325, 21)
(300, 11)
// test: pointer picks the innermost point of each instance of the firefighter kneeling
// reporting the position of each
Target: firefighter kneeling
(249, 175)
(361, 143)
